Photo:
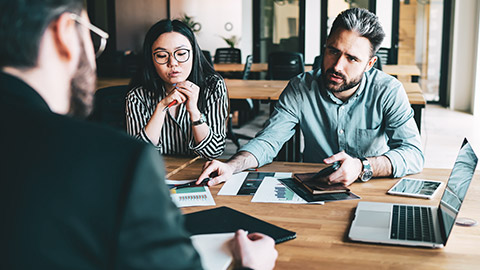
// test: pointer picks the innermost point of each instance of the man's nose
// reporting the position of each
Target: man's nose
(339, 63)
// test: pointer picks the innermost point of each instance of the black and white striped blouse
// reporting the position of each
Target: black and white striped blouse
(177, 135)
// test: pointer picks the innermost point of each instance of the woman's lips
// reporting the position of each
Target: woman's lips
(174, 74)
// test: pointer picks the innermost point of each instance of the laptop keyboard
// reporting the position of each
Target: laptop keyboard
(412, 223)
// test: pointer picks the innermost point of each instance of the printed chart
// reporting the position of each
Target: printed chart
(272, 191)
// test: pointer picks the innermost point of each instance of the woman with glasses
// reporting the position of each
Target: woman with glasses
(178, 103)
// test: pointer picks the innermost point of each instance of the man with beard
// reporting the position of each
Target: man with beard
(348, 112)
(75, 195)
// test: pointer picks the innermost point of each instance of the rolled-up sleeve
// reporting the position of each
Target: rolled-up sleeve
(216, 112)
(279, 128)
(404, 140)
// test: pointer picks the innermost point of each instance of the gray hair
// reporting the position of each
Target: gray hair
(362, 21)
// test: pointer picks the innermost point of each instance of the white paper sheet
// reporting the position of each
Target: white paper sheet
(233, 185)
(214, 250)
(272, 191)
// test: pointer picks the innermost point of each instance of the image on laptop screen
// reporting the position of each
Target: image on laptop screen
(457, 186)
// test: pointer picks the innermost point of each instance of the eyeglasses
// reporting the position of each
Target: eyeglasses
(181, 55)
(99, 39)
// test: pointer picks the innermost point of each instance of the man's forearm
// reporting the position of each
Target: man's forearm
(381, 166)
(242, 160)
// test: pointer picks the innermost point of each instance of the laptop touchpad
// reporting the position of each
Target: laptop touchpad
(373, 219)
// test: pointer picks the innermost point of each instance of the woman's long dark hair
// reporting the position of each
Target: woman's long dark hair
(147, 76)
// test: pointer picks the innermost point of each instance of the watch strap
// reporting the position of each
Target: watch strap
(200, 121)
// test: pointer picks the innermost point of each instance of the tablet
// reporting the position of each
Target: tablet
(416, 188)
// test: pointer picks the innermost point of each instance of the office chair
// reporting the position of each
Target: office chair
(227, 55)
(378, 64)
(284, 65)
(317, 62)
(243, 106)
(109, 106)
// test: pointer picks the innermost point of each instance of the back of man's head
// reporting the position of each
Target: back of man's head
(362, 21)
(22, 24)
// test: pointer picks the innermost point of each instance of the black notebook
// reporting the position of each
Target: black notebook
(224, 219)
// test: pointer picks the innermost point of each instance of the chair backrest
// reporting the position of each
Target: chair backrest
(208, 56)
(109, 106)
(384, 56)
(228, 55)
(378, 64)
(248, 66)
(285, 65)
(317, 62)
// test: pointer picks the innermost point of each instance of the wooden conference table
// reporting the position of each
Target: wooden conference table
(322, 230)
(395, 70)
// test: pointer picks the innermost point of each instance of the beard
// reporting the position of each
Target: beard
(82, 87)
(340, 87)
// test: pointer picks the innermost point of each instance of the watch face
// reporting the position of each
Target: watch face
(367, 175)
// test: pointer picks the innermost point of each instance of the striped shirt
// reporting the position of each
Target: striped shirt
(177, 134)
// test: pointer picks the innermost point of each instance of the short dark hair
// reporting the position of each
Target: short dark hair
(362, 21)
(147, 76)
(22, 25)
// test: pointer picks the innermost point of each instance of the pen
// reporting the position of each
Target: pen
(192, 184)
(170, 105)
(252, 170)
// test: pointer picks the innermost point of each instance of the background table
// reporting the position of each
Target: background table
(417, 101)
(395, 70)
(403, 70)
(322, 230)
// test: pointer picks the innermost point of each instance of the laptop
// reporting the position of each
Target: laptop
(417, 225)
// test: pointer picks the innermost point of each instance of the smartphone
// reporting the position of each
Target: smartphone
(328, 170)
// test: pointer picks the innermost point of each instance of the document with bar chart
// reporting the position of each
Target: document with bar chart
(190, 196)
(272, 191)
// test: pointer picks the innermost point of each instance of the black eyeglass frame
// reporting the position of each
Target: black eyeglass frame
(170, 55)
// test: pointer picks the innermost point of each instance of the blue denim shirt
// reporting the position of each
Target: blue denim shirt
(376, 120)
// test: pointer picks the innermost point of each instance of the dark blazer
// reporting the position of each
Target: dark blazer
(75, 195)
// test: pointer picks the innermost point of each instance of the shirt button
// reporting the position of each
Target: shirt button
(340, 131)
(341, 108)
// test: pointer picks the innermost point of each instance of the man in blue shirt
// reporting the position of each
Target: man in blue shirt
(348, 112)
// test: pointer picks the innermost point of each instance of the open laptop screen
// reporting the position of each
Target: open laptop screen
(460, 178)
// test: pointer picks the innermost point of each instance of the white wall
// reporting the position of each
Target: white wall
(246, 44)
(476, 92)
(213, 15)
(464, 55)
(384, 14)
(312, 30)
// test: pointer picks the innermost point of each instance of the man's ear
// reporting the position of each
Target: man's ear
(371, 62)
(64, 35)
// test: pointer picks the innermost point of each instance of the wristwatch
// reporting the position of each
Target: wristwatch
(367, 172)
(200, 121)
